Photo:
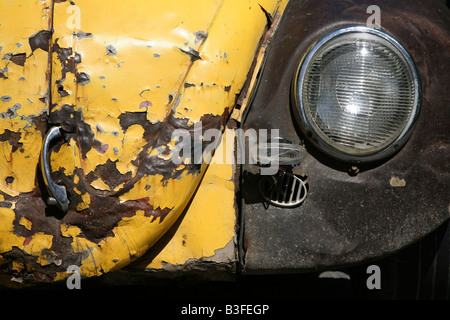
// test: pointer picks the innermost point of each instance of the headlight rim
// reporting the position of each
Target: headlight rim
(308, 132)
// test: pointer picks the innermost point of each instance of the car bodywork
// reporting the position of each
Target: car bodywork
(117, 81)
(387, 205)
(120, 80)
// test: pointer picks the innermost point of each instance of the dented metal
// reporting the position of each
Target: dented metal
(98, 93)
(118, 88)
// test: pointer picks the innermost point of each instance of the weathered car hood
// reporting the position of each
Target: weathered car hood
(118, 80)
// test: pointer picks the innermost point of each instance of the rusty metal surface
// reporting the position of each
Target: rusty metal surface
(118, 88)
(348, 219)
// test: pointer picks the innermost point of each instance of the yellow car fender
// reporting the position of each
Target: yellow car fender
(118, 80)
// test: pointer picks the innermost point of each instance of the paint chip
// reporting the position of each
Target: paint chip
(111, 50)
(145, 104)
(192, 53)
(81, 35)
(40, 40)
(18, 59)
(83, 78)
(200, 36)
(397, 182)
(26, 223)
(9, 180)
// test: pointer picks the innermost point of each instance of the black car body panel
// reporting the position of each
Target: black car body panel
(351, 215)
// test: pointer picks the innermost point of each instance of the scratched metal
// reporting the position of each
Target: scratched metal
(348, 219)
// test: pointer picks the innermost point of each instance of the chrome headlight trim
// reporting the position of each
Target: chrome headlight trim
(310, 131)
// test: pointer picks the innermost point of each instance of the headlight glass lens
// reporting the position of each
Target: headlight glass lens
(358, 91)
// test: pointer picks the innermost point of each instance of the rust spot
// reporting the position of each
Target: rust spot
(27, 240)
(109, 174)
(40, 40)
(200, 36)
(69, 61)
(128, 119)
(105, 209)
(158, 135)
(187, 85)
(397, 182)
(18, 59)
(71, 122)
(61, 91)
(64, 56)
(40, 122)
(143, 200)
(13, 139)
(145, 104)
(192, 53)
(5, 98)
(227, 88)
(86, 139)
(82, 78)
(2, 73)
(66, 117)
(9, 180)
(111, 50)
(81, 35)
(11, 112)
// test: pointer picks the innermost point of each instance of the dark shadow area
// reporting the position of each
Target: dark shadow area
(281, 292)
(245, 288)
(257, 188)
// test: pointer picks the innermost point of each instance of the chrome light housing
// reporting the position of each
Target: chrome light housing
(357, 94)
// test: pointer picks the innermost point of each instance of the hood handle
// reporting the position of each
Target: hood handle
(58, 193)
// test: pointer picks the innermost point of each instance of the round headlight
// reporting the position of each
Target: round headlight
(357, 93)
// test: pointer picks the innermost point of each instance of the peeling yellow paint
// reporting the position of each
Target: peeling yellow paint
(77, 191)
(214, 208)
(38, 242)
(45, 259)
(7, 237)
(65, 159)
(25, 222)
(100, 185)
(154, 30)
(17, 266)
(69, 231)
(18, 162)
(224, 52)
(86, 200)
(161, 197)
(21, 88)
(186, 58)
(210, 221)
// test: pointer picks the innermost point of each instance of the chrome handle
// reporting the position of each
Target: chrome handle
(58, 194)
